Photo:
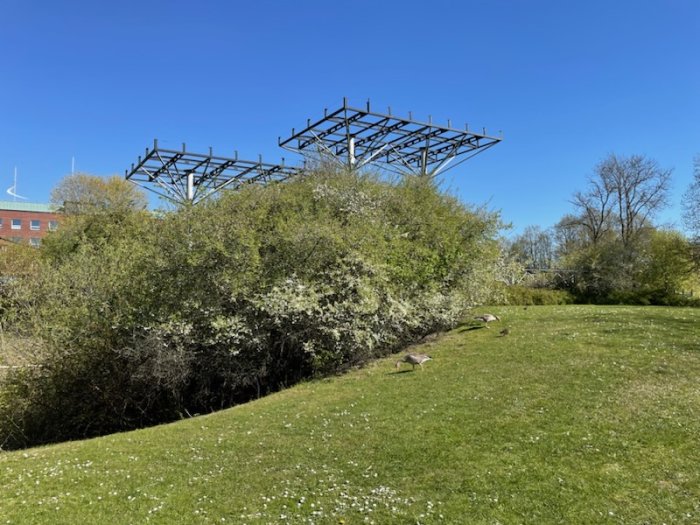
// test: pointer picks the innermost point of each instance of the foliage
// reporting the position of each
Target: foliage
(149, 319)
(534, 248)
(599, 269)
(582, 414)
(509, 270)
(651, 271)
(526, 296)
(84, 194)
(610, 247)
(98, 211)
(18, 269)
(667, 263)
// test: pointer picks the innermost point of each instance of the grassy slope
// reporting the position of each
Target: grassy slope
(581, 415)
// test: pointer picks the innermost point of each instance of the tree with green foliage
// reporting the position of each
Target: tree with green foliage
(96, 209)
(666, 265)
(606, 242)
(84, 194)
(211, 305)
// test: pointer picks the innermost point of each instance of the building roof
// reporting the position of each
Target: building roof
(28, 206)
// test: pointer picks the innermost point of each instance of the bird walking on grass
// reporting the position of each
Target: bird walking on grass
(413, 359)
(487, 318)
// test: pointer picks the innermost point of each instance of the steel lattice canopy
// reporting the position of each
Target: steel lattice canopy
(361, 136)
(181, 176)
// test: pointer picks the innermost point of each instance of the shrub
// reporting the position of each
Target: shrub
(214, 304)
(526, 296)
(646, 297)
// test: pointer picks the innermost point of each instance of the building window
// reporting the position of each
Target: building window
(16, 224)
(53, 226)
(0, 222)
(16, 240)
(34, 224)
(35, 241)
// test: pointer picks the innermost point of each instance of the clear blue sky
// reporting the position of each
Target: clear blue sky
(567, 83)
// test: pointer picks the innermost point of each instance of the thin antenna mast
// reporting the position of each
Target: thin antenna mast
(12, 190)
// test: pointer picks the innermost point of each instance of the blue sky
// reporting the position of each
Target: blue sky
(566, 82)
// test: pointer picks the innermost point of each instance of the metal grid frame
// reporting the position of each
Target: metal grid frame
(356, 137)
(181, 176)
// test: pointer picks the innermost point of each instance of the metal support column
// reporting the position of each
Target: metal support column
(424, 162)
(351, 153)
(190, 186)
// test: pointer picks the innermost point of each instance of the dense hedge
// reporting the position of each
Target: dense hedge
(149, 319)
(526, 296)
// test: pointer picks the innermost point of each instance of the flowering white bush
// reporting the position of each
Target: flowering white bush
(212, 305)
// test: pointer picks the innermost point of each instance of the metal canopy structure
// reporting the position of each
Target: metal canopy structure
(181, 176)
(356, 137)
(352, 137)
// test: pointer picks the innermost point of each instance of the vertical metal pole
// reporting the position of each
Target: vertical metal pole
(351, 153)
(424, 162)
(424, 156)
(190, 186)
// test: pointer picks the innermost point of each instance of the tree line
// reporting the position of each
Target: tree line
(608, 248)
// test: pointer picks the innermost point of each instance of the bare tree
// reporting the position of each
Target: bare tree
(691, 202)
(595, 208)
(534, 248)
(640, 187)
(624, 193)
(569, 234)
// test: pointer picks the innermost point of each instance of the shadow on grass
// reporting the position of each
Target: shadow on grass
(399, 372)
(467, 328)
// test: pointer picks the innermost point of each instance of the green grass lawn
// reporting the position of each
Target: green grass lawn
(582, 414)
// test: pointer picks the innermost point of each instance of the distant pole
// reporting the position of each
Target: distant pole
(72, 166)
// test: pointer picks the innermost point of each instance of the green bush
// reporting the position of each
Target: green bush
(651, 269)
(211, 305)
(526, 296)
(646, 297)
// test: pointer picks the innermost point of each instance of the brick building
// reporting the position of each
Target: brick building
(26, 222)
